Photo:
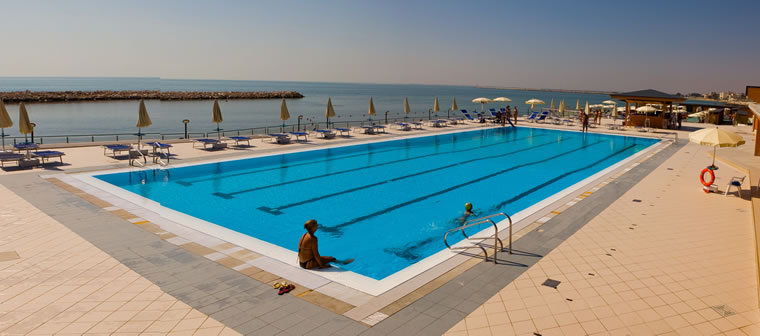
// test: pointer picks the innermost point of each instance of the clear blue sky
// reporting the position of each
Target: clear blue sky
(608, 45)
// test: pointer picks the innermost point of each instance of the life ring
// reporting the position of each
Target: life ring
(702, 177)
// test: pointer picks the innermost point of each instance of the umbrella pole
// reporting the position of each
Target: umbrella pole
(218, 132)
(714, 148)
(2, 130)
(139, 137)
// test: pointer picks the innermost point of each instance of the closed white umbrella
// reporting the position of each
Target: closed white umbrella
(578, 105)
(646, 109)
(586, 110)
(284, 113)
(329, 111)
(5, 122)
(217, 118)
(371, 109)
(143, 120)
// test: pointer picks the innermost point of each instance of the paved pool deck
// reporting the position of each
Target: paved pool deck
(68, 266)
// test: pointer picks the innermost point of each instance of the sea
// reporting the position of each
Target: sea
(350, 100)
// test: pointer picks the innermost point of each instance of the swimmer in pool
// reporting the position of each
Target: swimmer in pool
(468, 212)
(308, 250)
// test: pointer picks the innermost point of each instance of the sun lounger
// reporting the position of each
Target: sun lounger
(326, 134)
(239, 139)
(115, 149)
(467, 115)
(300, 135)
(344, 131)
(369, 129)
(43, 155)
(403, 126)
(532, 116)
(10, 157)
(280, 138)
(416, 125)
(437, 123)
(205, 142)
(380, 129)
(542, 117)
(26, 146)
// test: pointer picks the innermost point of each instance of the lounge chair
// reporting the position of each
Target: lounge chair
(345, 132)
(467, 115)
(380, 129)
(300, 135)
(115, 149)
(416, 125)
(10, 157)
(205, 142)
(369, 129)
(403, 126)
(532, 116)
(280, 138)
(239, 139)
(43, 155)
(26, 146)
(542, 116)
(326, 134)
(437, 123)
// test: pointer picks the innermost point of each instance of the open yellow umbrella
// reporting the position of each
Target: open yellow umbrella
(716, 137)
(502, 99)
(143, 120)
(5, 122)
(217, 118)
(371, 110)
(284, 114)
(533, 102)
(329, 111)
(482, 101)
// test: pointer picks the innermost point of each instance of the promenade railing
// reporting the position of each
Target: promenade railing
(261, 130)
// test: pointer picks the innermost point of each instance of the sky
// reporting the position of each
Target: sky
(674, 46)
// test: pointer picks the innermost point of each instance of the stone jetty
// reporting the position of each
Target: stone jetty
(71, 96)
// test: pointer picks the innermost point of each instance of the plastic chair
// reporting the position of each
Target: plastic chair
(735, 182)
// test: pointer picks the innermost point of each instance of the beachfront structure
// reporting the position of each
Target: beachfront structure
(643, 97)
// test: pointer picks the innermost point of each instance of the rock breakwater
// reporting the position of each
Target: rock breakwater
(72, 96)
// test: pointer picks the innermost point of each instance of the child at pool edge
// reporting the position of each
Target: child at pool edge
(308, 249)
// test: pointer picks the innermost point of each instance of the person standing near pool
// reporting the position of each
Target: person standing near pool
(308, 249)
(514, 113)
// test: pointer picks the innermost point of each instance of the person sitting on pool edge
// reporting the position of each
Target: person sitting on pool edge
(308, 249)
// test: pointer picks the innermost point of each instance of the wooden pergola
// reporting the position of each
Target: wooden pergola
(644, 97)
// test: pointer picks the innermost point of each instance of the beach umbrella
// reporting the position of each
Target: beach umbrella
(436, 107)
(533, 102)
(371, 110)
(502, 99)
(586, 109)
(578, 105)
(407, 110)
(454, 106)
(612, 102)
(330, 112)
(284, 114)
(552, 105)
(562, 107)
(646, 109)
(143, 120)
(716, 137)
(217, 118)
(482, 101)
(5, 122)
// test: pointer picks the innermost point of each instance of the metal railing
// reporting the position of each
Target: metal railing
(262, 130)
(497, 244)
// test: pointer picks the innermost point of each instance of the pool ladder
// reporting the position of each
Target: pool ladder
(497, 243)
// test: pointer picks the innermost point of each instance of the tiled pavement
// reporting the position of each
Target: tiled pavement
(664, 259)
(54, 281)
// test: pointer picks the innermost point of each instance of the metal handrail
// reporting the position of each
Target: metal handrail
(132, 160)
(479, 221)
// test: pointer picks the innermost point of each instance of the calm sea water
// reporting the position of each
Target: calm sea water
(350, 101)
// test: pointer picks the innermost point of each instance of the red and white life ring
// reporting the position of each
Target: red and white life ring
(702, 177)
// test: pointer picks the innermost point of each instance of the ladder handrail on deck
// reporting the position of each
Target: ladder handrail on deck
(478, 221)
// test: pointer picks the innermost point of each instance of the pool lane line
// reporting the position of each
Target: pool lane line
(335, 230)
(276, 210)
(406, 252)
(230, 195)
(187, 184)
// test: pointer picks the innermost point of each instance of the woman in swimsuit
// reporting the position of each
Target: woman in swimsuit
(308, 249)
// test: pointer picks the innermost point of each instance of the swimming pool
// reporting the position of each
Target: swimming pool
(386, 204)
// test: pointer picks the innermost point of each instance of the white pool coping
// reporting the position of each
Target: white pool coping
(283, 262)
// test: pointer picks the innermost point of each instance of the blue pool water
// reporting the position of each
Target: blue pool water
(386, 204)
